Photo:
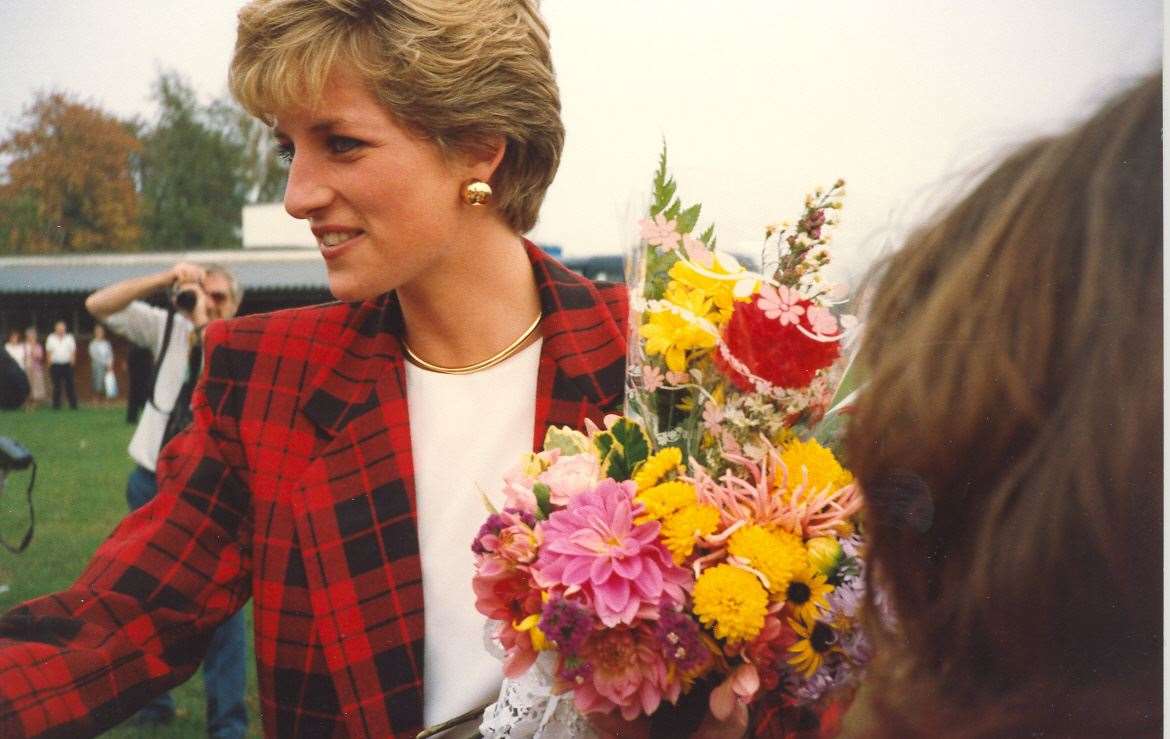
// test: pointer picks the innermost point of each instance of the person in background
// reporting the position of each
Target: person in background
(121, 307)
(101, 360)
(34, 366)
(15, 348)
(1009, 444)
(13, 380)
(62, 350)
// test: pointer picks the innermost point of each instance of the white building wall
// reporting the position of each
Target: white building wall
(268, 225)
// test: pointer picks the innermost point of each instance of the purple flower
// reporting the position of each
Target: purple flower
(566, 624)
(498, 531)
(679, 639)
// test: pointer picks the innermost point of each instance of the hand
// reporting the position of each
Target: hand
(613, 726)
(184, 272)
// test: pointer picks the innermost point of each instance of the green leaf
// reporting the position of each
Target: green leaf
(708, 236)
(543, 504)
(630, 448)
(672, 212)
(634, 440)
(604, 442)
(688, 218)
(568, 440)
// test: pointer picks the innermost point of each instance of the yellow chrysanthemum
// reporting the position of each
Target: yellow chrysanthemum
(778, 555)
(682, 530)
(731, 601)
(672, 335)
(823, 468)
(658, 466)
(807, 593)
(665, 498)
(816, 639)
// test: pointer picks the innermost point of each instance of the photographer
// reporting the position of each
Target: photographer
(198, 295)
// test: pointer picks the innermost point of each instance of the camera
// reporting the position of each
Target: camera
(13, 456)
(185, 299)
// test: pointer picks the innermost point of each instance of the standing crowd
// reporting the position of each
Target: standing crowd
(52, 365)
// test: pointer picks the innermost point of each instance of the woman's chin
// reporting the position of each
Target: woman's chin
(350, 291)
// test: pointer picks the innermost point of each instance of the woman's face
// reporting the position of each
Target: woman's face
(383, 203)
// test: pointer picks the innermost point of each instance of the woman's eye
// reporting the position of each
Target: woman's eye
(342, 144)
(285, 151)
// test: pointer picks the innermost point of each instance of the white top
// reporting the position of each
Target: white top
(143, 324)
(100, 352)
(61, 349)
(465, 432)
(16, 351)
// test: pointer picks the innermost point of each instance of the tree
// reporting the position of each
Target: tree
(68, 185)
(190, 172)
(264, 172)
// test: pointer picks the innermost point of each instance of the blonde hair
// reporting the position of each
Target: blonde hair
(459, 73)
(1010, 446)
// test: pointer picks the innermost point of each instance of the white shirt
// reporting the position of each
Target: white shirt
(466, 431)
(61, 349)
(143, 324)
(101, 353)
(16, 351)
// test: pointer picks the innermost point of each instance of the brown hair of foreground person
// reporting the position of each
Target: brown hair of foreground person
(1010, 447)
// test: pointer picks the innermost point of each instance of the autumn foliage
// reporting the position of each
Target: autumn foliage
(74, 178)
(69, 184)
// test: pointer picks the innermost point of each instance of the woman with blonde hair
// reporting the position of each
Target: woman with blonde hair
(333, 469)
(1010, 448)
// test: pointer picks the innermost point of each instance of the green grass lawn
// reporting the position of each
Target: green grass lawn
(80, 495)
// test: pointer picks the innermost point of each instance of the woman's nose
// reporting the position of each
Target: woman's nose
(306, 191)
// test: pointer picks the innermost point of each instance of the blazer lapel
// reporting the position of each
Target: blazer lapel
(356, 507)
(357, 528)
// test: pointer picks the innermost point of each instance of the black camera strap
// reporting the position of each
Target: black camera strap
(162, 353)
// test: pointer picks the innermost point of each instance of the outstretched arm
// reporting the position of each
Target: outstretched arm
(138, 620)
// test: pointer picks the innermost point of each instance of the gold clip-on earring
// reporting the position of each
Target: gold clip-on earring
(477, 192)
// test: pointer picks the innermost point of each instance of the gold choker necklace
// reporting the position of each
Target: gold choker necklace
(491, 361)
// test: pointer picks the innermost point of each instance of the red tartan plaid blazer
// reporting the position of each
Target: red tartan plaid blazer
(294, 487)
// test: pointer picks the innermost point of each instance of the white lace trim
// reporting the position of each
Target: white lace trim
(527, 708)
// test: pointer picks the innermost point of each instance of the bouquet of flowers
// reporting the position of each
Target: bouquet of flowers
(710, 531)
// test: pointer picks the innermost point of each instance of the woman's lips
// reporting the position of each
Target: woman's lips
(331, 248)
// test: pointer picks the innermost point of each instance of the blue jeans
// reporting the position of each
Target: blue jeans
(223, 667)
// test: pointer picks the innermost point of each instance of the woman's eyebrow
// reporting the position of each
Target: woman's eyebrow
(327, 124)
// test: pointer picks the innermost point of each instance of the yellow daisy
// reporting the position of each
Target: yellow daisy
(806, 594)
(672, 335)
(816, 639)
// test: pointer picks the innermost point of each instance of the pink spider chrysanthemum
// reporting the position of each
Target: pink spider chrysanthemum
(593, 545)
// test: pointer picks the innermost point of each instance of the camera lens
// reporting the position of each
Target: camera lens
(185, 300)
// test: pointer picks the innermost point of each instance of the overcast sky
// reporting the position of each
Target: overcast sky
(758, 101)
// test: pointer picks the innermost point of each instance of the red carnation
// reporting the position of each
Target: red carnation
(774, 351)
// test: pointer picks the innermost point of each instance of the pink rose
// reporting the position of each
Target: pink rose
(518, 480)
(570, 476)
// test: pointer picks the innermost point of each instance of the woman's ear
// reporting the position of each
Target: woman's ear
(483, 157)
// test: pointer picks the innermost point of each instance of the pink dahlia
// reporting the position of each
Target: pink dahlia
(594, 546)
(623, 669)
(504, 593)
